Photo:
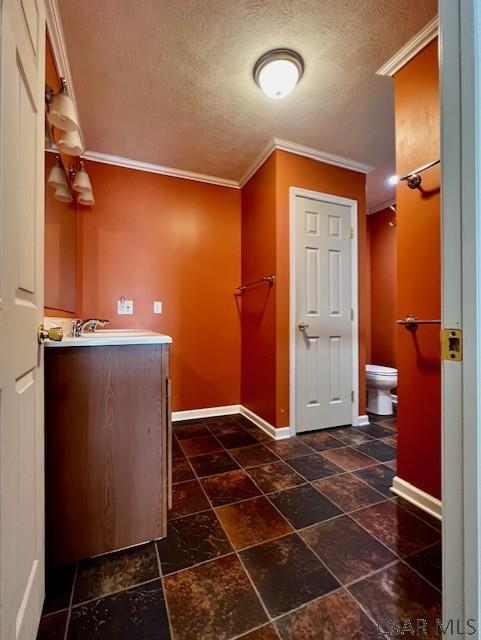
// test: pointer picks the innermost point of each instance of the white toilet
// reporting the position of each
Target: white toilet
(380, 381)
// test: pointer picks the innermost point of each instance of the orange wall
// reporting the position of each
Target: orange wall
(382, 246)
(419, 272)
(265, 377)
(151, 237)
(258, 389)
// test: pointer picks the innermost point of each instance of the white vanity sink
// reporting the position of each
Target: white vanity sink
(106, 337)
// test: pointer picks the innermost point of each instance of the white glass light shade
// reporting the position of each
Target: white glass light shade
(393, 180)
(278, 78)
(86, 198)
(63, 194)
(62, 113)
(56, 177)
(70, 143)
(277, 72)
(81, 182)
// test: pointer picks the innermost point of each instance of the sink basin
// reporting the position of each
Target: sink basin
(106, 337)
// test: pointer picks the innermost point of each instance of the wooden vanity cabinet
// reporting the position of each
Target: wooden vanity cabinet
(108, 434)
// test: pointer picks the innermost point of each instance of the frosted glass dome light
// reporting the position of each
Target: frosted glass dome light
(277, 72)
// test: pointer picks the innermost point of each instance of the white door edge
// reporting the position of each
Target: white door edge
(460, 57)
(295, 192)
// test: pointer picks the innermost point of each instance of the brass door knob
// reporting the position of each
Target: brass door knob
(302, 326)
(55, 333)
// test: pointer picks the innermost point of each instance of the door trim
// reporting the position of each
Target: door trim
(295, 192)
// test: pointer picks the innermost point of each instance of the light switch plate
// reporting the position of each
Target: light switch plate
(125, 307)
(157, 306)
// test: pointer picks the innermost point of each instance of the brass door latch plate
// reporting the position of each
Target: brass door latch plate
(451, 344)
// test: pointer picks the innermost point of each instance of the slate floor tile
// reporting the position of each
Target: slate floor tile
(252, 456)
(106, 574)
(428, 563)
(135, 614)
(378, 450)
(378, 477)
(349, 459)
(181, 471)
(333, 617)
(237, 439)
(200, 446)
(52, 627)
(213, 463)
(251, 522)
(396, 528)
(289, 448)
(347, 549)
(304, 506)
(314, 466)
(398, 593)
(348, 492)
(214, 600)
(192, 540)
(321, 440)
(58, 588)
(229, 487)
(350, 436)
(190, 431)
(275, 476)
(187, 498)
(287, 573)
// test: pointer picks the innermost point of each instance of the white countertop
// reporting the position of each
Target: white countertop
(110, 337)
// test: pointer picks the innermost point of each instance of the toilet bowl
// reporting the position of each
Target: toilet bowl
(380, 381)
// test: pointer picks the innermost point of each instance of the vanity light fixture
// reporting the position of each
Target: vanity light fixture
(277, 72)
(393, 180)
(56, 177)
(81, 181)
(86, 198)
(70, 143)
(63, 194)
(61, 112)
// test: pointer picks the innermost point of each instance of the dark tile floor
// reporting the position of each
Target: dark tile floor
(299, 539)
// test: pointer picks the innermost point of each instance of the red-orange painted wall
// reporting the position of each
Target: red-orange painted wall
(258, 388)
(151, 237)
(382, 247)
(265, 250)
(419, 272)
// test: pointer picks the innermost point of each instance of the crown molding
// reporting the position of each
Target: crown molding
(59, 50)
(381, 206)
(128, 163)
(410, 49)
(277, 144)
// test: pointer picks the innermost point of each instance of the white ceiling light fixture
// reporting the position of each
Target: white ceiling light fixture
(277, 72)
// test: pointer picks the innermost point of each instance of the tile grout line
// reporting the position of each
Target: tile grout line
(70, 604)
(164, 590)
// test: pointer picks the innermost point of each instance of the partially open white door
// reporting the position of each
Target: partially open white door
(323, 312)
(21, 310)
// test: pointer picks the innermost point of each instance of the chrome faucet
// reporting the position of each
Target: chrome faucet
(90, 325)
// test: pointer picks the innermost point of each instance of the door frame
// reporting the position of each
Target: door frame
(295, 192)
(460, 67)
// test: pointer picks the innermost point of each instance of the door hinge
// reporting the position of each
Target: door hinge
(351, 233)
(352, 395)
(451, 344)
(352, 314)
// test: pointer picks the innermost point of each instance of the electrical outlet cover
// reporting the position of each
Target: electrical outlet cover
(125, 307)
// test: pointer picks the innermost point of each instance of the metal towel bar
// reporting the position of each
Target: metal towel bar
(412, 321)
(242, 287)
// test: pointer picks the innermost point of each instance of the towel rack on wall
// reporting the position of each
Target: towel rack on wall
(411, 321)
(243, 287)
(413, 178)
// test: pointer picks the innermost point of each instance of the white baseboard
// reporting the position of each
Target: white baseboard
(209, 412)
(416, 496)
(228, 410)
(277, 433)
(362, 421)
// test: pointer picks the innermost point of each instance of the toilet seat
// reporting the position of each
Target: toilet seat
(378, 370)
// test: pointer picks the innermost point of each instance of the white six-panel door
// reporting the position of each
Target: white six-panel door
(323, 343)
(21, 310)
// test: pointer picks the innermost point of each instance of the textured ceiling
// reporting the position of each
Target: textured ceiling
(170, 81)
